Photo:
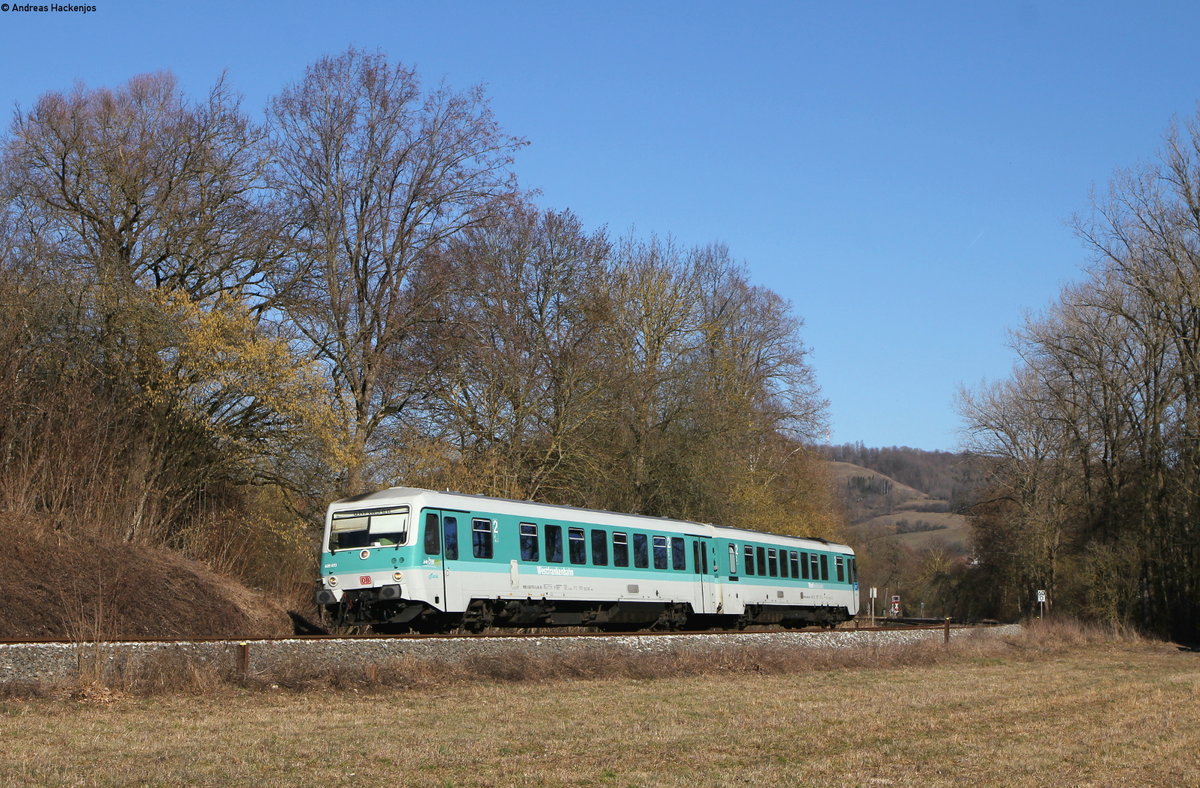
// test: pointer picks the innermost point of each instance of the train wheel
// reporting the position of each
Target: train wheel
(672, 618)
(478, 616)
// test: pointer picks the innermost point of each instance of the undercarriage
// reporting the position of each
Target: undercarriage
(398, 616)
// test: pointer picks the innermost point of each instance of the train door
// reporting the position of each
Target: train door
(705, 561)
(441, 529)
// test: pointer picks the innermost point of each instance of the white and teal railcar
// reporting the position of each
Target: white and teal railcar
(406, 559)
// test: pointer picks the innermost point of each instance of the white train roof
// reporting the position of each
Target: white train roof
(418, 498)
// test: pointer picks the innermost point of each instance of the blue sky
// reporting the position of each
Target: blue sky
(903, 173)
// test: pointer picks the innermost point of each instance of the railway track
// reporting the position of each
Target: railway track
(515, 634)
(56, 660)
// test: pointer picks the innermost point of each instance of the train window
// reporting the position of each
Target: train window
(795, 564)
(599, 547)
(450, 537)
(853, 569)
(481, 538)
(839, 565)
(660, 552)
(733, 559)
(554, 544)
(345, 540)
(772, 562)
(433, 540)
(749, 560)
(804, 565)
(762, 561)
(529, 542)
(620, 549)
(578, 547)
(783, 564)
(814, 566)
(369, 528)
(641, 555)
(824, 567)
(678, 556)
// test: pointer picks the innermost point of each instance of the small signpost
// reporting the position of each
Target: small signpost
(895, 605)
(874, 594)
(1041, 602)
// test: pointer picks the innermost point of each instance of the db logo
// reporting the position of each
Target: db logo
(364, 580)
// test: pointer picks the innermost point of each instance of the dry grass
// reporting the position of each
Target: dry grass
(84, 587)
(1065, 707)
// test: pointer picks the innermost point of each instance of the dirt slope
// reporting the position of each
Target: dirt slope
(54, 585)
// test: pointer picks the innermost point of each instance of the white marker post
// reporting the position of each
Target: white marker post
(874, 594)
(1041, 603)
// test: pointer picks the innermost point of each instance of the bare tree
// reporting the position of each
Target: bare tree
(144, 213)
(522, 395)
(138, 187)
(1107, 399)
(375, 176)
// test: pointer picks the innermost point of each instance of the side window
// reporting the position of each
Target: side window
(481, 538)
(599, 547)
(839, 565)
(853, 569)
(749, 560)
(824, 567)
(733, 559)
(433, 540)
(762, 561)
(450, 532)
(772, 562)
(641, 552)
(814, 566)
(795, 564)
(529, 543)
(678, 556)
(804, 565)
(783, 564)
(660, 552)
(578, 547)
(554, 544)
(620, 549)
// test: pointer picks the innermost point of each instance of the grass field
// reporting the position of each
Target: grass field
(1034, 710)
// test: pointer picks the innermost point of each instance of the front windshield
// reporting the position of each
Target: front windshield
(369, 528)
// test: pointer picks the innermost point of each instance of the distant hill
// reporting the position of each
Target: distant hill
(878, 505)
(950, 476)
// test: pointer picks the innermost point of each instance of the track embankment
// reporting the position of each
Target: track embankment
(56, 662)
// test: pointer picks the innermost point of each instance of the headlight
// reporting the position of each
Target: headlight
(331, 580)
(397, 576)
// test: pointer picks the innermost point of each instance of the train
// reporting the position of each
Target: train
(414, 560)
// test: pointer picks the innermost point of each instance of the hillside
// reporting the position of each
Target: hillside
(877, 505)
(75, 588)
(950, 476)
